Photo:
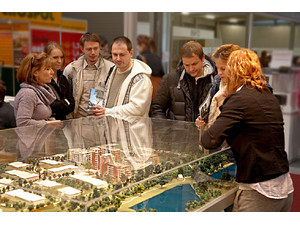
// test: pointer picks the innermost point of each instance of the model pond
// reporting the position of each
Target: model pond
(174, 200)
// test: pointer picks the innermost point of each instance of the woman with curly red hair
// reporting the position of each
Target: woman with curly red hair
(252, 124)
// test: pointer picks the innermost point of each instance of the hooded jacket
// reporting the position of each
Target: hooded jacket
(32, 104)
(174, 98)
(134, 97)
(74, 72)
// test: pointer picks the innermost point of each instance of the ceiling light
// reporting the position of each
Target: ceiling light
(210, 16)
(233, 20)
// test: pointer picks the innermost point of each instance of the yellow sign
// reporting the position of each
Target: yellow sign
(20, 27)
(6, 45)
(37, 17)
(68, 24)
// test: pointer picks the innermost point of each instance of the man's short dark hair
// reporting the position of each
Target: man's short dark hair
(123, 40)
(88, 36)
(190, 48)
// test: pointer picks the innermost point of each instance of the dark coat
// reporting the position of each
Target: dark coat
(153, 61)
(175, 97)
(7, 116)
(252, 124)
(64, 103)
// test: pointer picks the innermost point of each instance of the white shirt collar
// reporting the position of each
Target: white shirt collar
(239, 88)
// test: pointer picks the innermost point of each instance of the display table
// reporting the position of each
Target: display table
(113, 164)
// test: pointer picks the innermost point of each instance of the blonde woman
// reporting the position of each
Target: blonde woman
(218, 92)
(252, 124)
(64, 102)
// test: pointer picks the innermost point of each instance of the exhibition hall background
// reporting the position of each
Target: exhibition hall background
(22, 33)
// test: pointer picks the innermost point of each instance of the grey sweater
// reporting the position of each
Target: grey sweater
(32, 104)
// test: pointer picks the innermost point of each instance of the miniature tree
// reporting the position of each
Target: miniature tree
(30, 207)
(225, 176)
(140, 188)
(117, 202)
(158, 169)
(88, 165)
(180, 170)
(152, 210)
(149, 170)
(168, 165)
(91, 209)
(96, 193)
(38, 170)
(162, 182)
(140, 175)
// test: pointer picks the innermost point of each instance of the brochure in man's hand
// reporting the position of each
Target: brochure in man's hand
(96, 98)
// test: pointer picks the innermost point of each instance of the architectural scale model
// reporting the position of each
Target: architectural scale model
(82, 179)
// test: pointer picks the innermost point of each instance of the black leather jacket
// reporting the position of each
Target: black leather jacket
(64, 103)
(175, 96)
(153, 61)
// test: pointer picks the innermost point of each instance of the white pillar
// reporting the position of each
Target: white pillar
(249, 30)
(166, 41)
(130, 27)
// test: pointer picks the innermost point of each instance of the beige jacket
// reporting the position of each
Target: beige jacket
(74, 73)
(216, 102)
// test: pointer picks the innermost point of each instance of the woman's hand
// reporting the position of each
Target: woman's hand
(199, 123)
(57, 124)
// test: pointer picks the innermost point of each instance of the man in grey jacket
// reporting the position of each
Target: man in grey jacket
(89, 71)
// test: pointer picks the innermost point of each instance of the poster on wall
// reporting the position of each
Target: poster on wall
(6, 45)
(20, 36)
(39, 39)
(71, 45)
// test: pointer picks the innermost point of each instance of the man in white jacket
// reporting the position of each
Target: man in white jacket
(128, 88)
